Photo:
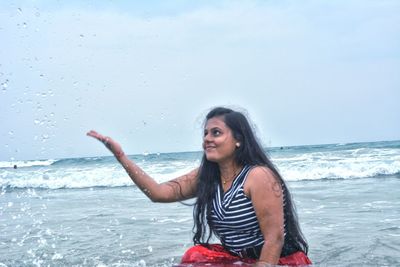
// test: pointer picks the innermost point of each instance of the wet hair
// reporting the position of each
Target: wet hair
(250, 152)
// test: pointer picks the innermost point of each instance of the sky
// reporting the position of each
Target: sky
(147, 72)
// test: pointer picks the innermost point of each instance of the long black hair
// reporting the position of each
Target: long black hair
(250, 152)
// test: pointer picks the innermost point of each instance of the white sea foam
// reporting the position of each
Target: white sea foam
(357, 163)
(110, 175)
(341, 163)
(71, 178)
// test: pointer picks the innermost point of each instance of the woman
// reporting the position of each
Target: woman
(240, 197)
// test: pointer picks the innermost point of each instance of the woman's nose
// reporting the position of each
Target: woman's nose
(207, 138)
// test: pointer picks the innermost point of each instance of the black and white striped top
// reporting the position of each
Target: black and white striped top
(233, 218)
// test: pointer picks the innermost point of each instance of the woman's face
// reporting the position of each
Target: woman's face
(218, 142)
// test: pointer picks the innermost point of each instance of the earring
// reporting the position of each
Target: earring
(237, 144)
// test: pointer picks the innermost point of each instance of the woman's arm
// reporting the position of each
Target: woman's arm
(181, 188)
(265, 192)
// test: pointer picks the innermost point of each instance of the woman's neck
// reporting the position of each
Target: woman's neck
(229, 171)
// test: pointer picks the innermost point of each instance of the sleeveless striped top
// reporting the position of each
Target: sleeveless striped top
(233, 218)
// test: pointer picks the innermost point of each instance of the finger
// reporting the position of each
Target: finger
(92, 133)
(96, 135)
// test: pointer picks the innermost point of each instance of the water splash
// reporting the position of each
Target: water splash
(4, 85)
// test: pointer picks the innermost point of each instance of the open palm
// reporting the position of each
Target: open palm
(112, 145)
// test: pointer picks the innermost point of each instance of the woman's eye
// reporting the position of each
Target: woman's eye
(216, 132)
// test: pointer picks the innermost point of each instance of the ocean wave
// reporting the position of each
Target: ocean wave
(351, 162)
(80, 177)
(115, 176)
(360, 162)
(339, 169)
(84, 161)
(66, 181)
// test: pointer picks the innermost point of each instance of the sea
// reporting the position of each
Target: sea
(87, 212)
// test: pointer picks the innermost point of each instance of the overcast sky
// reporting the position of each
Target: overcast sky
(146, 72)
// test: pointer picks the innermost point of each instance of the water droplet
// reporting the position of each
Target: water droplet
(36, 121)
(24, 25)
(41, 75)
(150, 249)
(81, 35)
(20, 10)
(45, 137)
(11, 133)
(4, 85)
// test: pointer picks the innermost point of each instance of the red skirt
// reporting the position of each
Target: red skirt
(216, 254)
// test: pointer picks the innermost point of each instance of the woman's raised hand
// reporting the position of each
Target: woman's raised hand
(181, 188)
(113, 146)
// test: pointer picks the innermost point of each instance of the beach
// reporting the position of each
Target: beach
(87, 212)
